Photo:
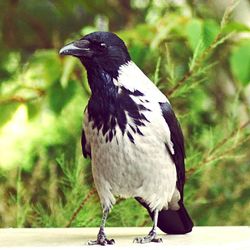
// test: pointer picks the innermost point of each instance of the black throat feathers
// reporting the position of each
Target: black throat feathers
(110, 106)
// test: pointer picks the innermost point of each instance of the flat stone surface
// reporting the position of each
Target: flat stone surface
(76, 238)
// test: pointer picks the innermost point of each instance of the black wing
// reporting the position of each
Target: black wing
(177, 139)
(85, 148)
(169, 221)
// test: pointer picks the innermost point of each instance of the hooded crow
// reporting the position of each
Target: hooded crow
(132, 136)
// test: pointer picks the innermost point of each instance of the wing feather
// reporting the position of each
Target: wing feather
(177, 139)
(85, 147)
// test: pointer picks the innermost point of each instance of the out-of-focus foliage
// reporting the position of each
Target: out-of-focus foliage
(199, 58)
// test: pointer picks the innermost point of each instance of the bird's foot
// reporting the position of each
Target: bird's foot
(151, 237)
(101, 240)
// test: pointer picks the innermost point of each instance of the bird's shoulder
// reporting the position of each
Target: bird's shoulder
(133, 79)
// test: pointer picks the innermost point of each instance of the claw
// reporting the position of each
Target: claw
(151, 237)
(102, 242)
(146, 239)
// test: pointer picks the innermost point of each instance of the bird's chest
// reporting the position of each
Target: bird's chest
(116, 158)
(124, 158)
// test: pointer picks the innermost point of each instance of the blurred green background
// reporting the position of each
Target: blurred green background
(198, 54)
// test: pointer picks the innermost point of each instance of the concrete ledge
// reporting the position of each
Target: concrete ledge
(76, 238)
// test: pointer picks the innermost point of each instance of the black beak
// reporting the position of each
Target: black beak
(77, 48)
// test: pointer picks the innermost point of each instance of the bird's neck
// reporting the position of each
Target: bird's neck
(102, 103)
(112, 102)
(102, 84)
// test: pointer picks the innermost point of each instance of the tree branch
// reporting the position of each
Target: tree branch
(20, 99)
(84, 201)
(210, 156)
(204, 55)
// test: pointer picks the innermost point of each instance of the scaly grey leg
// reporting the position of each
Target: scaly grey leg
(101, 237)
(152, 236)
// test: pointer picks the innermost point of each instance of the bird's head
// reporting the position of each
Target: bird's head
(99, 50)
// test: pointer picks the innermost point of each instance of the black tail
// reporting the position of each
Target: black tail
(172, 222)
(175, 222)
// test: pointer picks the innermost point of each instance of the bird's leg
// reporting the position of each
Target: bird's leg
(152, 236)
(101, 237)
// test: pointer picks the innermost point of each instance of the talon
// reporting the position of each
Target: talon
(136, 240)
(92, 242)
(147, 239)
(101, 241)
(111, 242)
(157, 240)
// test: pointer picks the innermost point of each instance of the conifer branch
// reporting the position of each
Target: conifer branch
(77, 211)
(197, 61)
(213, 154)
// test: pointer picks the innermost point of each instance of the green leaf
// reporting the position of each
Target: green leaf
(194, 32)
(209, 32)
(34, 108)
(59, 96)
(43, 70)
(138, 53)
(12, 63)
(196, 53)
(7, 111)
(68, 67)
(240, 63)
(157, 71)
(236, 27)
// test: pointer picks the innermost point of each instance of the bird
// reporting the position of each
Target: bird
(132, 136)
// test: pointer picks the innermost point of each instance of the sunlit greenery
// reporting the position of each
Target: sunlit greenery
(198, 56)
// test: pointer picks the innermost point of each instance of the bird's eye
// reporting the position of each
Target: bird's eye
(103, 45)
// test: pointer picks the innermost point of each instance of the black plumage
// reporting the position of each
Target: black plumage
(178, 144)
